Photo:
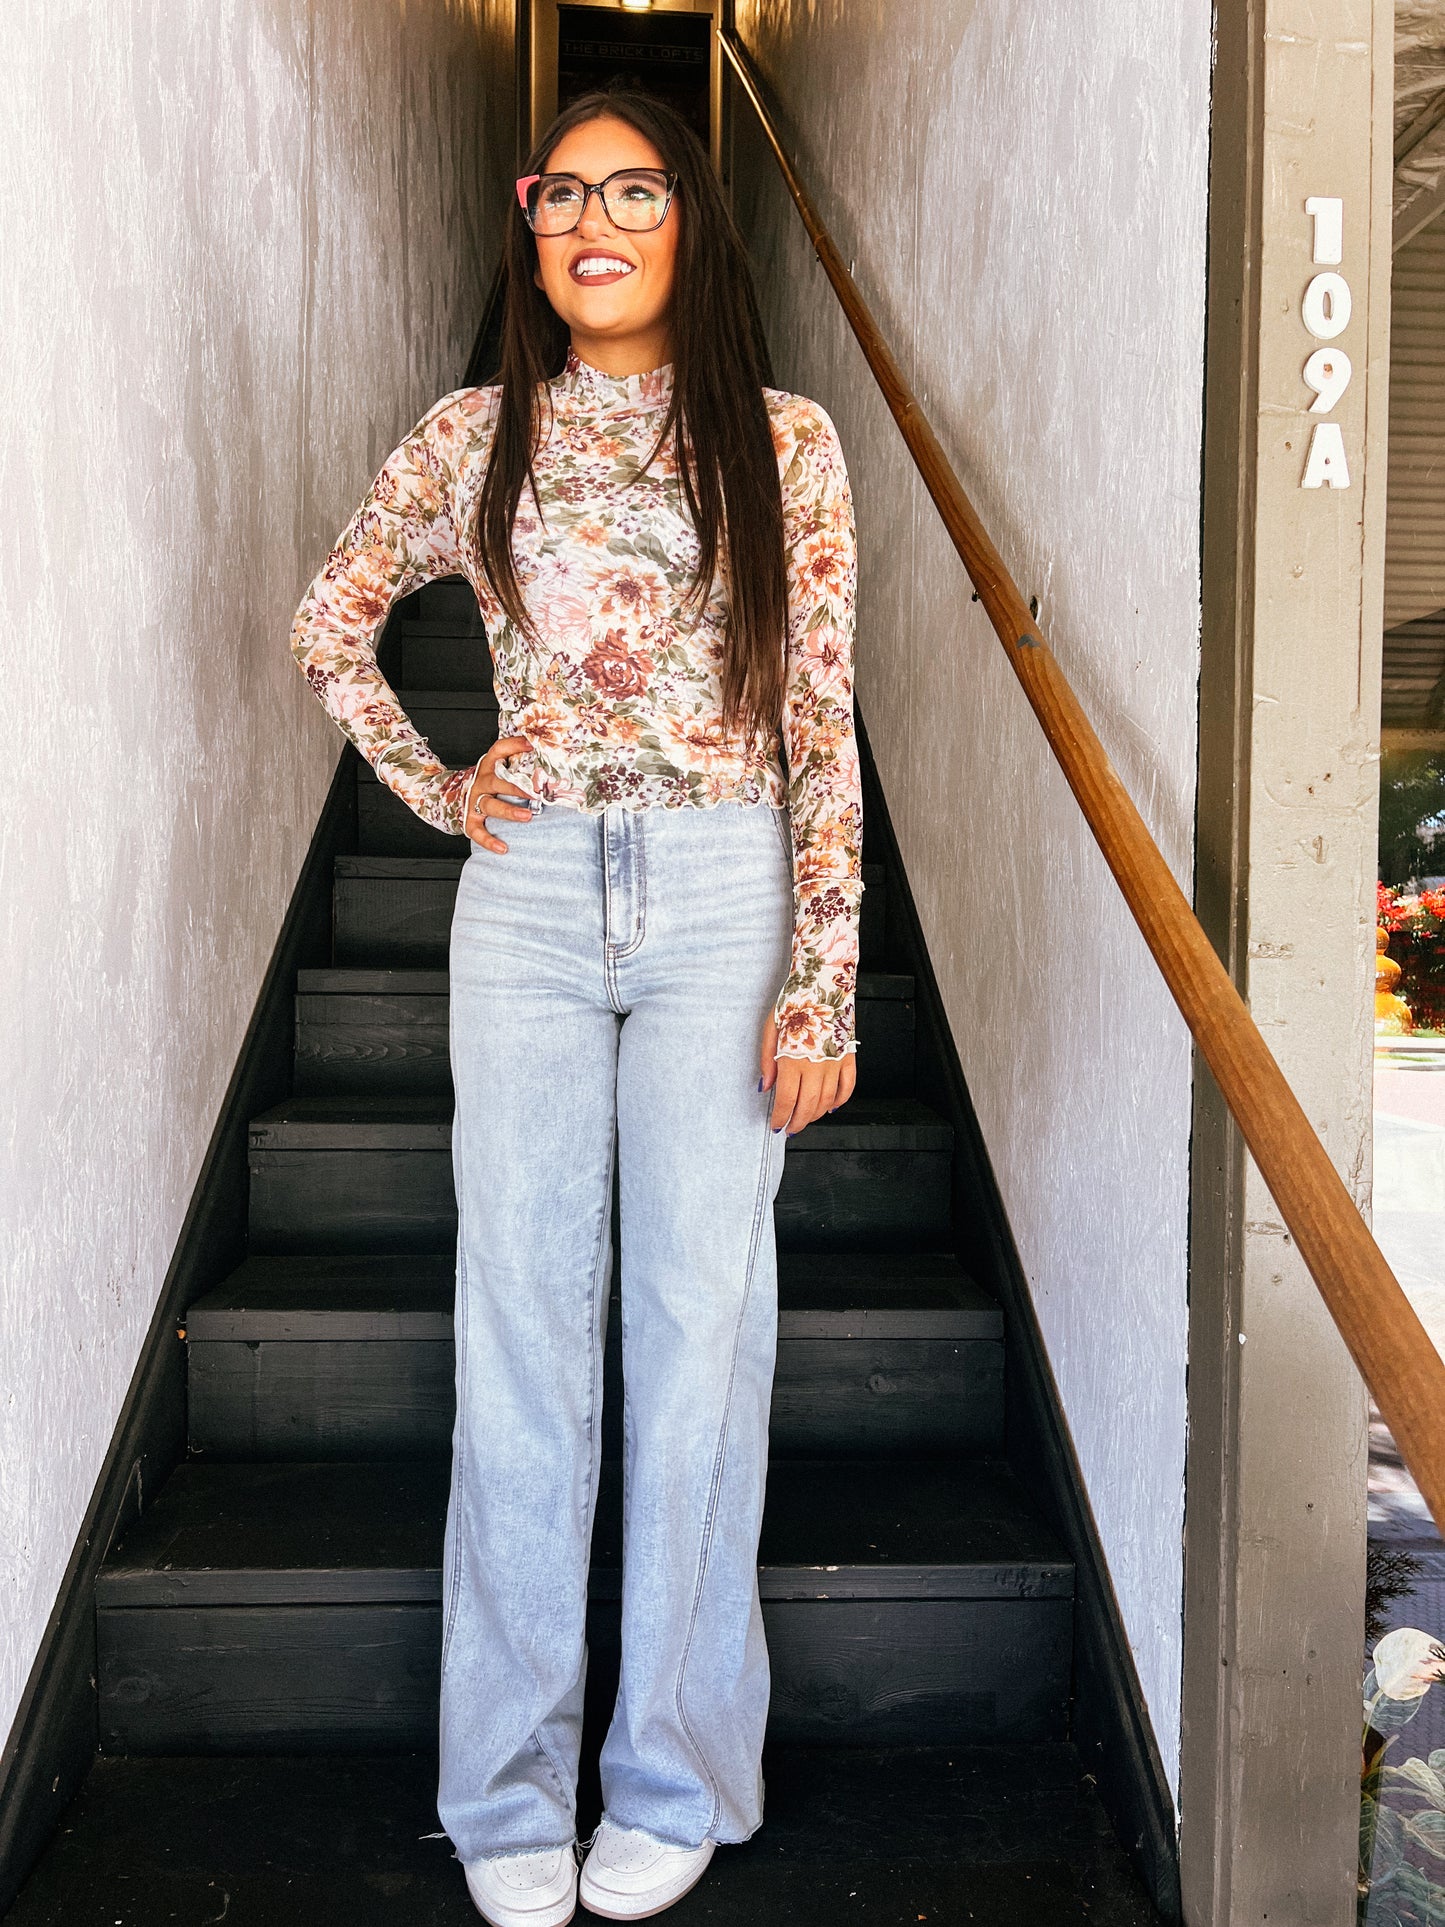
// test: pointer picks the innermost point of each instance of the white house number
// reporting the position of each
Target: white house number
(1325, 311)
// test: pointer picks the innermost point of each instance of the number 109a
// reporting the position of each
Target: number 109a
(1325, 311)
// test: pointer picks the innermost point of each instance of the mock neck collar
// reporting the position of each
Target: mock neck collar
(605, 394)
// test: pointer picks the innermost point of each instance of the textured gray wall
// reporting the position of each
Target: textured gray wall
(245, 245)
(1023, 186)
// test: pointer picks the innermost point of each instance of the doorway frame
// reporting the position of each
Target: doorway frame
(538, 48)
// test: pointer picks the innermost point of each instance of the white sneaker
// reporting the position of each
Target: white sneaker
(630, 1876)
(525, 1889)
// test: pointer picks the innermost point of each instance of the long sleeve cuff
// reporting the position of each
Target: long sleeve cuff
(815, 1007)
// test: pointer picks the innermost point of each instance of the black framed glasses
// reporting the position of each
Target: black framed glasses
(635, 199)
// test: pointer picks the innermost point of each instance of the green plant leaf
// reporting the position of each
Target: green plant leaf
(1428, 1831)
(1420, 1776)
(1389, 1844)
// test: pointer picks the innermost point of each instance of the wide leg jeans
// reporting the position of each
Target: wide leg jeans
(610, 979)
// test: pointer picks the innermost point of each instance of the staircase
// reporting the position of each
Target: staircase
(280, 1595)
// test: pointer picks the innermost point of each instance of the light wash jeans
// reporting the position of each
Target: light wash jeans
(610, 978)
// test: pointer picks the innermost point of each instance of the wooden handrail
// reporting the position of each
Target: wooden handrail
(1377, 1322)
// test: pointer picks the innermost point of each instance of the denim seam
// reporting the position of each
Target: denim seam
(639, 838)
(628, 1445)
(461, 1319)
(609, 952)
(710, 1516)
(594, 1463)
(552, 1767)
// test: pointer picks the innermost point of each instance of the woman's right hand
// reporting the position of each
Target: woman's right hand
(487, 793)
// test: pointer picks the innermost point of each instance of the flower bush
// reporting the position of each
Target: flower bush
(1402, 1801)
(1417, 943)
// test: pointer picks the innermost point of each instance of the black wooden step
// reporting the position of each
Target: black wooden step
(386, 1030)
(285, 1299)
(385, 826)
(996, 1836)
(393, 910)
(369, 1173)
(370, 1533)
(397, 911)
(325, 1358)
(418, 655)
(820, 1294)
(435, 639)
(450, 599)
(298, 1606)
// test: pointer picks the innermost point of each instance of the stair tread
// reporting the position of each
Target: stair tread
(404, 1122)
(444, 595)
(417, 869)
(1013, 1835)
(354, 980)
(279, 1300)
(884, 1294)
(256, 1534)
(457, 628)
(446, 698)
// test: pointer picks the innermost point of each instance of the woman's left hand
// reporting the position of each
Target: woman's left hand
(803, 1089)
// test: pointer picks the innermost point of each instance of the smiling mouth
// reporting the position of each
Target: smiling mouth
(599, 269)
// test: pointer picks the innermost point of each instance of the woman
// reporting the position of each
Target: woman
(659, 961)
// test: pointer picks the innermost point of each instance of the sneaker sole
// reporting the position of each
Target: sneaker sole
(646, 1913)
(530, 1920)
(534, 1917)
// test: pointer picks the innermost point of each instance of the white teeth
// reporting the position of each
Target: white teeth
(594, 264)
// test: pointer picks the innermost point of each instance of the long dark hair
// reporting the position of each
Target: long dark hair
(717, 414)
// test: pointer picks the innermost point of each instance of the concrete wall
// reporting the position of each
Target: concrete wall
(1023, 187)
(246, 244)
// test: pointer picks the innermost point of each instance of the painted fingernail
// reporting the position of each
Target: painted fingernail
(760, 1083)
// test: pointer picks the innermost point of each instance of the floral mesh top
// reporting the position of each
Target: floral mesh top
(619, 691)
